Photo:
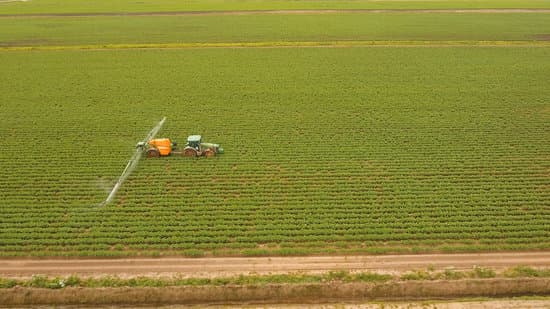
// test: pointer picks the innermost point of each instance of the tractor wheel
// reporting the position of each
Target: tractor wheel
(152, 153)
(209, 153)
(189, 152)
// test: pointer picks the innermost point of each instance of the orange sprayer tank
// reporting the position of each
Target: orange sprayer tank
(164, 145)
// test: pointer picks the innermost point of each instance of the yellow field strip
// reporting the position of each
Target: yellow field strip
(281, 45)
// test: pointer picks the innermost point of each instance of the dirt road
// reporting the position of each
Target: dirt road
(210, 267)
(434, 304)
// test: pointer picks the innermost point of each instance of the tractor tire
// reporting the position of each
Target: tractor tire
(190, 152)
(152, 153)
(209, 153)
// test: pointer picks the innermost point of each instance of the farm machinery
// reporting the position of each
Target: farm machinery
(194, 147)
(156, 147)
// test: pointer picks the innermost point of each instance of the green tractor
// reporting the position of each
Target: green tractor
(196, 148)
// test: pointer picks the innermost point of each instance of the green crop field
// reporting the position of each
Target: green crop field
(108, 6)
(355, 149)
(272, 28)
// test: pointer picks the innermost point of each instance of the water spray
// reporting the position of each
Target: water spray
(132, 163)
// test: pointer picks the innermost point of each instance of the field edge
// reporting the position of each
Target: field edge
(278, 293)
(281, 44)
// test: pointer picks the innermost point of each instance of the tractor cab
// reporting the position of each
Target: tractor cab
(194, 141)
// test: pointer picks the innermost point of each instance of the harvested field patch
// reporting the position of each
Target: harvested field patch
(545, 37)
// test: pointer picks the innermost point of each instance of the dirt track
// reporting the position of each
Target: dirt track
(274, 12)
(210, 267)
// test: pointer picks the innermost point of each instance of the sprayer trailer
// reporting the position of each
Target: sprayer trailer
(161, 147)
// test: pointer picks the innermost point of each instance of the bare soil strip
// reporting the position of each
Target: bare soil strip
(13, 46)
(229, 266)
(500, 303)
(276, 293)
(276, 12)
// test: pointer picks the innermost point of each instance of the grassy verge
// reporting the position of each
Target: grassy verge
(39, 281)
(276, 293)
(110, 281)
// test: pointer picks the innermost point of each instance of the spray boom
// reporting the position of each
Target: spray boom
(133, 162)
